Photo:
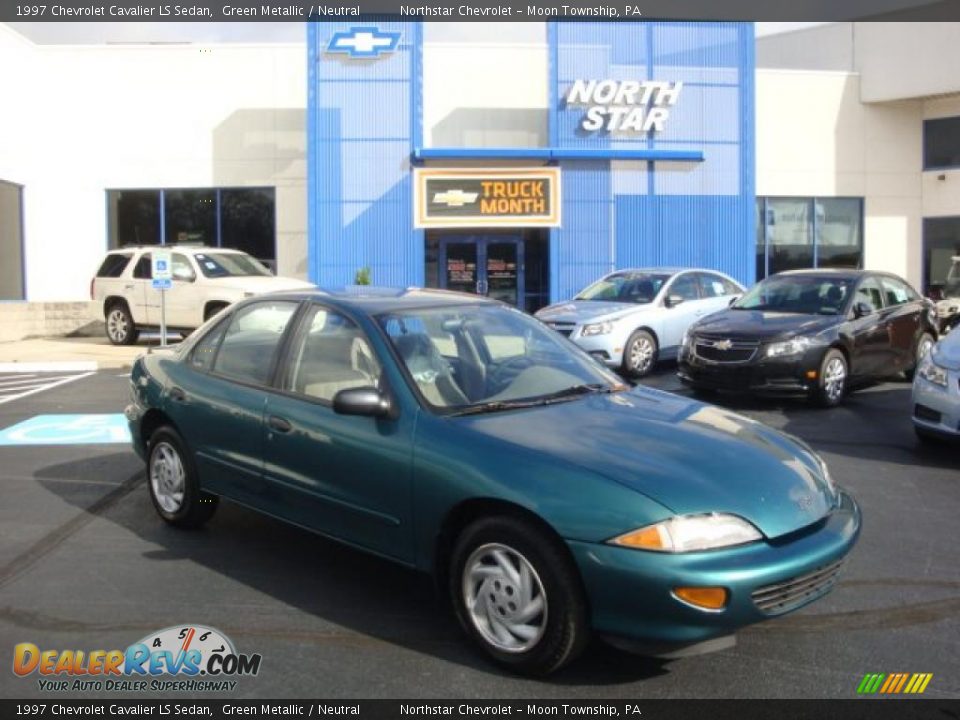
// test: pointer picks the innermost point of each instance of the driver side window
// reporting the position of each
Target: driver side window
(330, 354)
(686, 287)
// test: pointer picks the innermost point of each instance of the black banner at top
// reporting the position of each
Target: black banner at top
(471, 10)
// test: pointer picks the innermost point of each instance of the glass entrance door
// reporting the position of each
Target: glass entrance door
(483, 264)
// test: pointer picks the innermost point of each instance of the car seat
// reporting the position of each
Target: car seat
(433, 374)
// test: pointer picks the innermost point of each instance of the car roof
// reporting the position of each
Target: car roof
(373, 300)
(174, 247)
(845, 273)
(667, 270)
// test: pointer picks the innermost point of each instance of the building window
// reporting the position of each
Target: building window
(795, 233)
(11, 242)
(238, 218)
(941, 143)
(941, 243)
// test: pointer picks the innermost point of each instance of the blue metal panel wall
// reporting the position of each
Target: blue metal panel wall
(664, 213)
(363, 121)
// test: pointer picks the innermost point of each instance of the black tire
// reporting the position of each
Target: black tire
(640, 354)
(563, 627)
(196, 506)
(212, 309)
(828, 394)
(120, 328)
(926, 341)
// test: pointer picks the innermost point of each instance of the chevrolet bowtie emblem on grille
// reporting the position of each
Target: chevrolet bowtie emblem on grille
(454, 198)
(364, 42)
(723, 344)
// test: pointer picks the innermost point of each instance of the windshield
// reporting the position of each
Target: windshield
(803, 294)
(640, 288)
(481, 358)
(217, 265)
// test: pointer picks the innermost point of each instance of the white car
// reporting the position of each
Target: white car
(630, 319)
(205, 280)
(936, 391)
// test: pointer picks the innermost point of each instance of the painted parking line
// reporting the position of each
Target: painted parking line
(68, 429)
(64, 366)
(31, 386)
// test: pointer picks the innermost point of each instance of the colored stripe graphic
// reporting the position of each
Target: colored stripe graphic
(894, 683)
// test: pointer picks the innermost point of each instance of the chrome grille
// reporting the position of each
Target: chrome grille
(722, 350)
(789, 594)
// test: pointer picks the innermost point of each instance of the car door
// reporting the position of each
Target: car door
(904, 319)
(136, 288)
(185, 298)
(345, 476)
(869, 333)
(677, 318)
(217, 399)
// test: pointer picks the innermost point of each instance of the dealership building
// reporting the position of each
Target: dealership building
(519, 160)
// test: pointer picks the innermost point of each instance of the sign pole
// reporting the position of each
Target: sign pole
(161, 269)
(163, 317)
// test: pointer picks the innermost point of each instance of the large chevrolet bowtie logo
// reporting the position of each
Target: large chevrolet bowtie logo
(454, 198)
(364, 42)
(723, 344)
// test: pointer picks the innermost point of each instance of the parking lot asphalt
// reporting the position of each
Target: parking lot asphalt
(85, 563)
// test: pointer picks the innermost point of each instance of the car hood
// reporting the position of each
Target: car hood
(946, 354)
(578, 311)
(260, 283)
(685, 455)
(764, 325)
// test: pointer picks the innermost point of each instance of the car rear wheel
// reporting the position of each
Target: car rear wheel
(121, 329)
(172, 479)
(832, 383)
(640, 354)
(924, 346)
(517, 594)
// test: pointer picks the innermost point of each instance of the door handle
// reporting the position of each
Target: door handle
(279, 424)
(128, 287)
(177, 395)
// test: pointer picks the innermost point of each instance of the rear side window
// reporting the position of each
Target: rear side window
(143, 270)
(251, 342)
(897, 292)
(204, 351)
(114, 264)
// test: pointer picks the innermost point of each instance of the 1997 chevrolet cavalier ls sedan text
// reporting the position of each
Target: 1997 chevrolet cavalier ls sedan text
(461, 437)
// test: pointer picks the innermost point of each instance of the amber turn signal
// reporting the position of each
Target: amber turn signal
(811, 374)
(709, 598)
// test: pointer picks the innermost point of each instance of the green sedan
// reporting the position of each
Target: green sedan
(463, 438)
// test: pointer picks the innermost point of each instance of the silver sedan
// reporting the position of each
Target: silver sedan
(630, 319)
(936, 391)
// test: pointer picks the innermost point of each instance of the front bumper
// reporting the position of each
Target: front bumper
(630, 591)
(795, 375)
(937, 409)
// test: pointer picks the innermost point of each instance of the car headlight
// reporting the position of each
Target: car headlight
(601, 328)
(946, 311)
(789, 347)
(689, 533)
(932, 373)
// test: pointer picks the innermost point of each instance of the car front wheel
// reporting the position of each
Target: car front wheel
(172, 479)
(121, 329)
(640, 354)
(517, 594)
(832, 383)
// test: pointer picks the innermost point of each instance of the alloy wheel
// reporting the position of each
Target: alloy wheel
(834, 378)
(504, 597)
(641, 354)
(117, 326)
(924, 347)
(167, 477)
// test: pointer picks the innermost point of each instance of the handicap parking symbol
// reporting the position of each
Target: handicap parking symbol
(102, 429)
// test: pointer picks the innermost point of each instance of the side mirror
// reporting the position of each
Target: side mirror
(733, 300)
(861, 309)
(673, 300)
(363, 401)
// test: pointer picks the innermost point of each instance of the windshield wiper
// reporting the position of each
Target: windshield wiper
(559, 396)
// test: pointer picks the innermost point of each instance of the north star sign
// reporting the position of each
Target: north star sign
(624, 105)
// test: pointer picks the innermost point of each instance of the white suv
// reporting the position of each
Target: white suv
(205, 280)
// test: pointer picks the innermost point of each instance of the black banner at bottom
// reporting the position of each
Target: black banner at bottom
(872, 709)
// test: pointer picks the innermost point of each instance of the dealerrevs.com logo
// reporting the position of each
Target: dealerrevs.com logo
(188, 658)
